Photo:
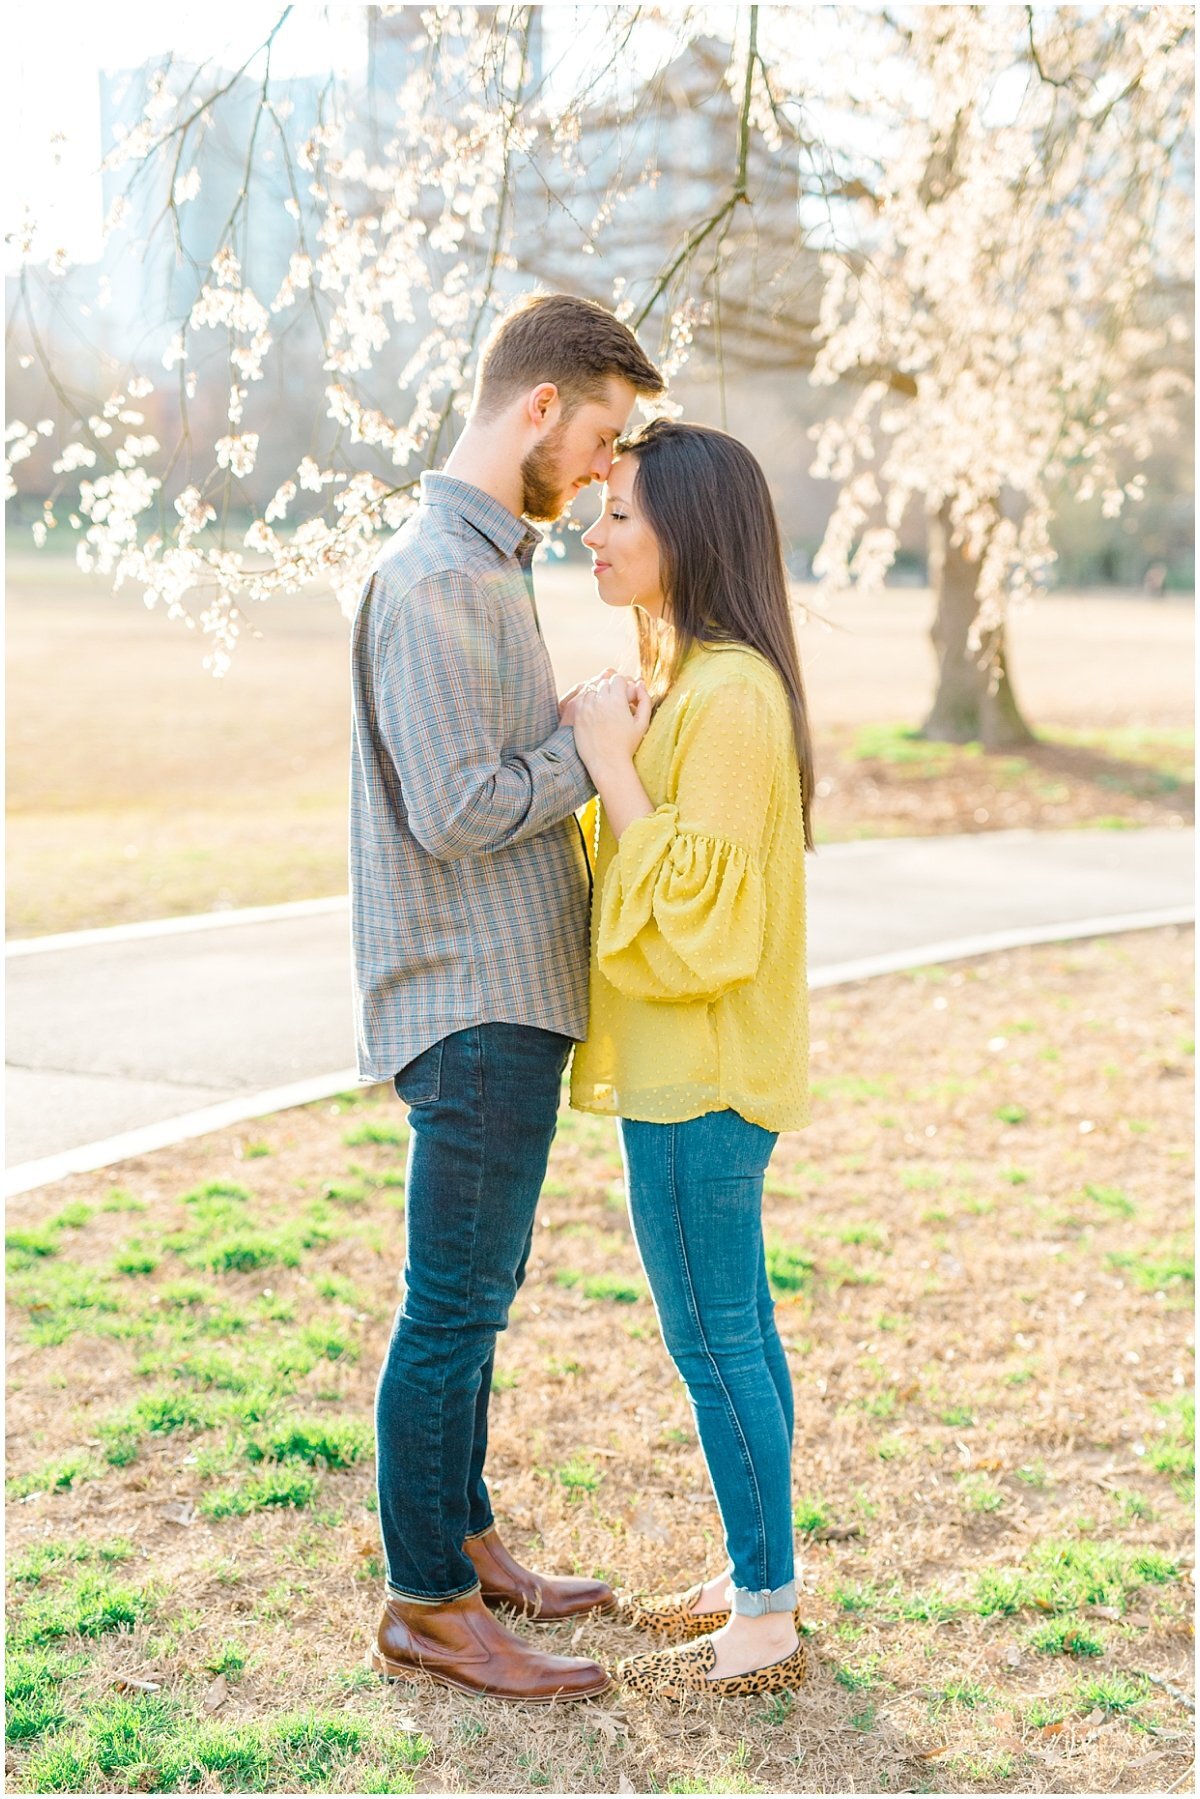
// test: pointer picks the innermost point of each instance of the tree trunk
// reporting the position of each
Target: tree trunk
(974, 698)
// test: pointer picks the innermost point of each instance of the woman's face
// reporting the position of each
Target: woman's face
(625, 559)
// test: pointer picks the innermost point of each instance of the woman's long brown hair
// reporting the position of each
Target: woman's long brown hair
(708, 504)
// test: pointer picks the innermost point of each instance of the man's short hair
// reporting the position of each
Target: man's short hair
(576, 344)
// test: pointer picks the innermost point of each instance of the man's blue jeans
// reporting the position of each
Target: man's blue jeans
(695, 1198)
(482, 1109)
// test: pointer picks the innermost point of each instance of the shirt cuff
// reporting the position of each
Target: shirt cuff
(563, 761)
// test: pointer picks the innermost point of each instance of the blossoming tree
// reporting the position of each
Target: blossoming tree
(971, 222)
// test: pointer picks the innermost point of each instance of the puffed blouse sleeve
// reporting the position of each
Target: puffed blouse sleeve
(681, 910)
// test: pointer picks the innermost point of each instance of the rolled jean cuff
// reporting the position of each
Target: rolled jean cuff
(427, 1598)
(747, 1604)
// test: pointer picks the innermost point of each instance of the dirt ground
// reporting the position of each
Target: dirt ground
(139, 787)
(982, 1263)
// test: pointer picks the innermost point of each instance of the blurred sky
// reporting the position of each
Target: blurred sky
(51, 113)
(52, 71)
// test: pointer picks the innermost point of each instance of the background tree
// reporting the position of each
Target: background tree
(1026, 263)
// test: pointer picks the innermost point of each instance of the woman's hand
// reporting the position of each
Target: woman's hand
(566, 705)
(611, 716)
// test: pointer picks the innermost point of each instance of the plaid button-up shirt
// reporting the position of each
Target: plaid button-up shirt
(468, 877)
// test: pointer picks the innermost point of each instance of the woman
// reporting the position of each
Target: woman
(698, 1034)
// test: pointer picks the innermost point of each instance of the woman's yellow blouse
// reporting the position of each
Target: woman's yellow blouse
(697, 986)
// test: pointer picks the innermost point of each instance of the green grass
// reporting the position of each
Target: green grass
(1060, 1576)
(153, 1744)
(393, 1135)
(89, 1606)
(969, 1694)
(1157, 1269)
(811, 1514)
(601, 1286)
(1174, 1451)
(329, 1443)
(273, 1487)
(900, 746)
(858, 1677)
(30, 1245)
(135, 1258)
(1064, 1636)
(40, 1561)
(33, 1699)
(869, 1235)
(979, 1494)
(788, 1271)
(1110, 1693)
(32, 1566)
(578, 1475)
(932, 1607)
(155, 1414)
(1112, 1200)
(609, 1286)
(855, 1596)
(54, 1477)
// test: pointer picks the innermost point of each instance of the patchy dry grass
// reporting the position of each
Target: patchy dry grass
(981, 1256)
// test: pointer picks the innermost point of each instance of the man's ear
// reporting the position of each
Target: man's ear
(541, 405)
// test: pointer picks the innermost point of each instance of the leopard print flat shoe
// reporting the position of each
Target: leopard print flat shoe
(675, 1673)
(672, 1616)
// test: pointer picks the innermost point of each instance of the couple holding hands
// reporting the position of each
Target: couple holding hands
(619, 873)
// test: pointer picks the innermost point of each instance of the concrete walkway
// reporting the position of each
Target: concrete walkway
(121, 1040)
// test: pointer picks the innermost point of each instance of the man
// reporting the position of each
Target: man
(469, 890)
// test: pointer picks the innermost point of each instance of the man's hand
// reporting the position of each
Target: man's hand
(568, 703)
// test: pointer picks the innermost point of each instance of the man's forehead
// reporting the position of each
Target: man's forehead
(612, 412)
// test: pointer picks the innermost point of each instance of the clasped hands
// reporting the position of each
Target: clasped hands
(610, 714)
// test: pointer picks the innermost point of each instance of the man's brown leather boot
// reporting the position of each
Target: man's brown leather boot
(460, 1644)
(544, 1598)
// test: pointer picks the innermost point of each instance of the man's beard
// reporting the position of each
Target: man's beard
(542, 479)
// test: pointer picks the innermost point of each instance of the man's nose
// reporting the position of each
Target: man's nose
(602, 467)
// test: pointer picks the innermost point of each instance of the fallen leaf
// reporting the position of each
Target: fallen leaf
(613, 1728)
(1097, 1715)
(1012, 1656)
(127, 1684)
(928, 1755)
(646, 1524)
(625, 1785)
(1053, 1730)
(216, 1694)
(179, 1511)
(1105, 1611)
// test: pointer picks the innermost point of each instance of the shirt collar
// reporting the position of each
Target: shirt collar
(511, 536)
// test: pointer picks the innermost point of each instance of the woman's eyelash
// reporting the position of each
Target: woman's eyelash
(618, 515)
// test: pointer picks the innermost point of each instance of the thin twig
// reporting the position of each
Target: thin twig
(1177, 1693)
(738, 196)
